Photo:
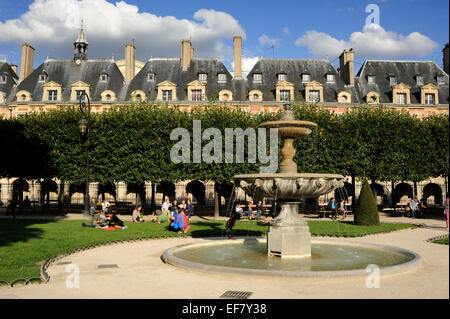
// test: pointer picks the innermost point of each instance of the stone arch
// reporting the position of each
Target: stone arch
(20, 188)
(225, 95)
(401, 191)
(381, 198)
(198, 191)
(135, 193)
(433, 190)
(107, 191)
(76, 194)
(138, 96)
(23, 96)
(164, 189)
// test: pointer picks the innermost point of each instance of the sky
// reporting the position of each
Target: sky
(375, 29)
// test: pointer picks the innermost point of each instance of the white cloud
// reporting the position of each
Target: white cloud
(372, 42)
(265, 39)
(247, 65)
(51, 26)
(286, 31)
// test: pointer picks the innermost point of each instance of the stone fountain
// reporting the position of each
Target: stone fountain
(289, 234)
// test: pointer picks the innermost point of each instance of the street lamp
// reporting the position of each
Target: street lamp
(84, 126)
(10, 111)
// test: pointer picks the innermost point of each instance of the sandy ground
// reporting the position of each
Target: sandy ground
(142, 274)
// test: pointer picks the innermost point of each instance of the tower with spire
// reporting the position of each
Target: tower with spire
(80, 46)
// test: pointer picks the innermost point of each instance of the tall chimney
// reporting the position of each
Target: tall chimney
(186, 54)
(237, 57)
(27, 61)
(347, 66)
(445, 59)
(130, 62)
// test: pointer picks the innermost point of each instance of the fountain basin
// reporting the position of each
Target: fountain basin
(328, 259)
(289, 185)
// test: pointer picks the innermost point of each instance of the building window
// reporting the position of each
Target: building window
(419, 79)
(344, 98)
(314, 96)
(3, 78)
(222, 77)
(285, 95)
(23, 97)
(306, 78)
(401, 98)
(138, 98)
(371, 79)
(226, 97)
(108, 97)
(392, 80)
(330, 77)
(202, 77)
(167, 95)
(42, 77)
(196, 95)
(52, 95)
(255, 96)
(78, 94)
(282, 77)
(257, 77)
(103, 78)
(429, 98)
(440, 79)
(150, 77)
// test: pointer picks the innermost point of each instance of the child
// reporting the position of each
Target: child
(342, 208)
(230, 225)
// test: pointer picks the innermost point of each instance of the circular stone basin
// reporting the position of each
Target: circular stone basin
(328, 259)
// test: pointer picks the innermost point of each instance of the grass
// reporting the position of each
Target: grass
(25, 244)
(442, 241)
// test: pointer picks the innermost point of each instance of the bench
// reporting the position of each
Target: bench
(400, 208)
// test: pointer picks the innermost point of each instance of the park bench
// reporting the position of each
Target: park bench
(400, 208)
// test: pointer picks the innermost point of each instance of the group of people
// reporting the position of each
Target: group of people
(24, 207)
(248, 211)
(178, 215)
(106, 220)
(337, 209)
(415, 208)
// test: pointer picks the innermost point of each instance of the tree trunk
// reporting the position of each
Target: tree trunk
(415, 188)
(353, 193)
(153, 199)
(393, 203)
(216, 204)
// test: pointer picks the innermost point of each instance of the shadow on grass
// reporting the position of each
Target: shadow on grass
(217, 229)
(20, 230)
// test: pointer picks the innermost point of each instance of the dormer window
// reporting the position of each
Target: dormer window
(150, 77)
(42, 77)
(103, 77)
(306, 78)
(392, 80)
(257, 77)
(440, 79)
(419, 79)
(330, 78)
(3, 78)
(282, 77)
(371, 79)
(221, 77)
(202, 77)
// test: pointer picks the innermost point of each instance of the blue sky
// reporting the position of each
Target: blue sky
(408, 29)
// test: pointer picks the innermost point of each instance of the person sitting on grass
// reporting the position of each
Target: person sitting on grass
(97, 221)
(175, 221)
(136, 216)
(115, 221)
(229, 225)
(186, 221)
(162, 218)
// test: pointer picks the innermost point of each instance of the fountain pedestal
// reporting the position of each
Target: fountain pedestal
(289, 234)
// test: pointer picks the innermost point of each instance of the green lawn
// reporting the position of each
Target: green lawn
(24, 244)
(442, 241)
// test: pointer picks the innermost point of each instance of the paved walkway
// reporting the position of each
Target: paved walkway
(142, 274)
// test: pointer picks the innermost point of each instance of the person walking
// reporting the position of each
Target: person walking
(189, 208)
(259, 209)
(92, 207)
(229, 225)
(332, 207)
(342, 208)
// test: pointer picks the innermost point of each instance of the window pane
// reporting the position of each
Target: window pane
(196, 95)
(314, 96)
(401, 98)
(429, 98)
(285, 95)
(306, 77)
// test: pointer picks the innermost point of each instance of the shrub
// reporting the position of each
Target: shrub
(366, 208)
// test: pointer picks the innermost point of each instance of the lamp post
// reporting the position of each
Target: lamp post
(84, 126)
(10, 111)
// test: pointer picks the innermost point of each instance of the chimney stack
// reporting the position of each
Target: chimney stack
(130, 62)
(237, 57)
(347, 66)
(27, 61)
(445, 59)
(187, 53)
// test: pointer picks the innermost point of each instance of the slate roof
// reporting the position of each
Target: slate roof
(405, 72)
(294, 69)
(11, 79)
(170, 70)
(67, 72)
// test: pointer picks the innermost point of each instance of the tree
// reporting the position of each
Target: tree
(366, 208)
